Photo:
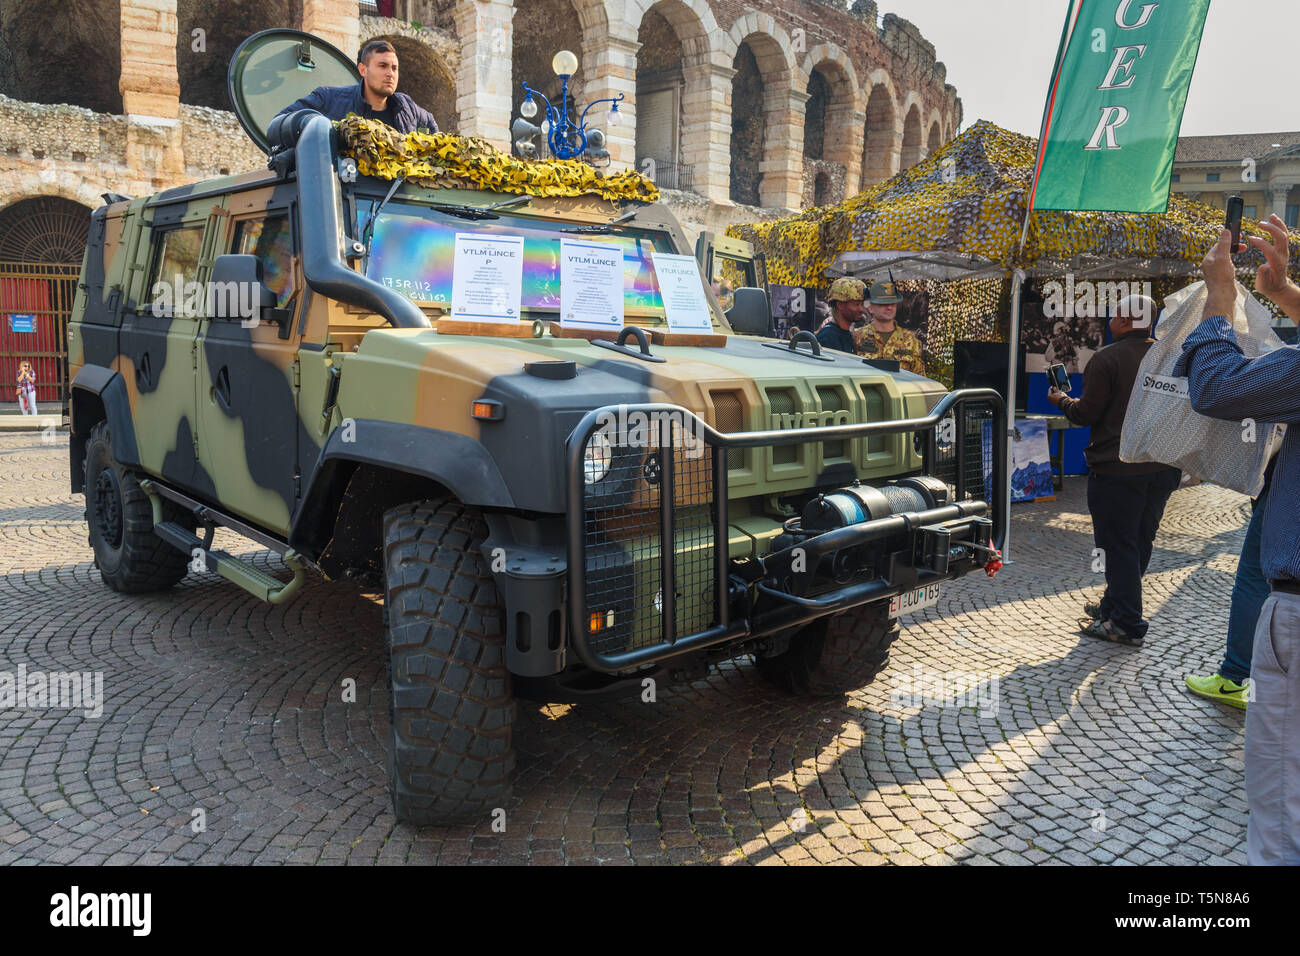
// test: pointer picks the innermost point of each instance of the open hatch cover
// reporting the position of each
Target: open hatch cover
(273, 68)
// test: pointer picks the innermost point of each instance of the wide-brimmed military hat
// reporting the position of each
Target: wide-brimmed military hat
(846, 289)
(884, 292)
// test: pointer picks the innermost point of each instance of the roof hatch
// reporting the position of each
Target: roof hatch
(273, 68)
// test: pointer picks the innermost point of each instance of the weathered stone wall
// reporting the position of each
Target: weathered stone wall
(835, 180)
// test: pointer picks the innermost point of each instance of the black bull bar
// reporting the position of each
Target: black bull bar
(794, 611)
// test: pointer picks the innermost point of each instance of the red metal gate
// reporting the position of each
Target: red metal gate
(36, 296)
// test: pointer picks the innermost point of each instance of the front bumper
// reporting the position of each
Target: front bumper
(633, 601)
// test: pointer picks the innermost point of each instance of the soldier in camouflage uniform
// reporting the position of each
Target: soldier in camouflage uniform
(845, 298)
(881, 337)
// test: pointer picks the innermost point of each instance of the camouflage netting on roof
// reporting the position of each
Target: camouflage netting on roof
(446, 161)
(969, 198)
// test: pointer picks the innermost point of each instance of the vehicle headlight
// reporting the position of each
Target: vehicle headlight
(596, 458)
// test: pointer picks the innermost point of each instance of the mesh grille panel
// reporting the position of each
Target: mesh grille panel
(623, 544)
(781, 401)
(976, 436)
(875, 412)
(832, 400)
(730, 419)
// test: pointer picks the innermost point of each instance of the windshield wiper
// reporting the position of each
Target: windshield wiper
(481, 212)
(605, 227)
(368, 230)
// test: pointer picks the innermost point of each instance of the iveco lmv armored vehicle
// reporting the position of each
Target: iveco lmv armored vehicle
(553, 514)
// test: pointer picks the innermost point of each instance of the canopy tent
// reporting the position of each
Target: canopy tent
(960, 214)
(964, 208)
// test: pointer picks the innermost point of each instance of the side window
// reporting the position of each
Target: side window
(271, 240)
(728, 276)
(175, 289)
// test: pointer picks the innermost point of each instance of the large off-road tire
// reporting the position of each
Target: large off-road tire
(835, 654)
(450, 703)
(130, 557)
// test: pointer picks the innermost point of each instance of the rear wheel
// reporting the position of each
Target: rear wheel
(450, 703)
(130, 557)
(835, 654)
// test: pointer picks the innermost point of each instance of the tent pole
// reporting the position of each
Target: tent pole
(1017, 280)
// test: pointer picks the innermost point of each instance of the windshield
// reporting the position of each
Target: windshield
(413, 250)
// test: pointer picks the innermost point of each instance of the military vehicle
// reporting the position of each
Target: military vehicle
(552, 515)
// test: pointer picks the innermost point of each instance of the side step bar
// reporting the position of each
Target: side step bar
(233, 569)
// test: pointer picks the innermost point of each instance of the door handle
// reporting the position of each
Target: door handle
(223, 388)
(143, 371)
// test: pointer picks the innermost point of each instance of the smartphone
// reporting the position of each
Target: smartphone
(1058, 378)
(1233, 221)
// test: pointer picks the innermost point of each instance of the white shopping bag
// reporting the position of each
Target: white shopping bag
(1161, 425)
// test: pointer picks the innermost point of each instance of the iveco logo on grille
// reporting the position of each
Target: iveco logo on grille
(809, 419)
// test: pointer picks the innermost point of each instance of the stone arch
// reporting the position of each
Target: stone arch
(935, 138)
(880, 133)
(424, 72)
(912, 145)
(225, 24)
(677, 93)
(63, 184)
(44, 228)
(62, 53)
(759, 24)
(759, 94)
(692, 19)
(841, 120)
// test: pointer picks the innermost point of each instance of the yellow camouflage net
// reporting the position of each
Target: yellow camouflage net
(447, 161)
(969, 198)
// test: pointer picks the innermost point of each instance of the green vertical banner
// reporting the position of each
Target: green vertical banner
(1110, 126)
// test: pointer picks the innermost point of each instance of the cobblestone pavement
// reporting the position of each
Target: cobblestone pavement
(997, 734)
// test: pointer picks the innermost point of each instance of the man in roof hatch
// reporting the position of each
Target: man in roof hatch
(375, 97)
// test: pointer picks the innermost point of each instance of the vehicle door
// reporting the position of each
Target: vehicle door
(157, 341)
(248, 371)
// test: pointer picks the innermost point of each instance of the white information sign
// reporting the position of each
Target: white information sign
(591, 285)
(685, 305)
(487, 278)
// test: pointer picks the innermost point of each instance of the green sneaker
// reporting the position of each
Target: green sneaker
(1219, 688)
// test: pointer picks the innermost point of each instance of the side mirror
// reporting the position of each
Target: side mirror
(751, 313)
(236, 290)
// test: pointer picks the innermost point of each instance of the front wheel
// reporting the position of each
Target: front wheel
(835, 654)
(450, 704)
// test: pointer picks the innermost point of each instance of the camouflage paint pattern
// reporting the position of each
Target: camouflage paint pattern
(238, 416)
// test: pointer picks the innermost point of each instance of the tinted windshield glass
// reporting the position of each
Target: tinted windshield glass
(412, 252)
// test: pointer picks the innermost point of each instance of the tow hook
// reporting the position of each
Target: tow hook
(994, 566)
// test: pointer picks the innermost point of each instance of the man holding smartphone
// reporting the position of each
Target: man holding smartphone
(1225, 384)
(1126, 500)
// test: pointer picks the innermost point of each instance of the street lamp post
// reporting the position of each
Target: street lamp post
(565, 138)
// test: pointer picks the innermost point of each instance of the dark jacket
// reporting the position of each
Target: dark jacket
(1107, 383)
(336, 102)
(833, 337)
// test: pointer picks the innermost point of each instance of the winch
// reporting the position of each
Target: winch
(858, 503)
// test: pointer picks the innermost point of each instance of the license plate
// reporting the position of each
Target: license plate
(910, 601)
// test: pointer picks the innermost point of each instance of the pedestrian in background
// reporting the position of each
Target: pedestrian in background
(1225, 384)
(26, 390)
(1126, 500)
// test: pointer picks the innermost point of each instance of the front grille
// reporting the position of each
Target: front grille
(623, 537)
(832, 400)
(729, 412)
(781, 401)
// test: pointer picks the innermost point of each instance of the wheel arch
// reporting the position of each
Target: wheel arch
(98, 394)
(370, 466)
